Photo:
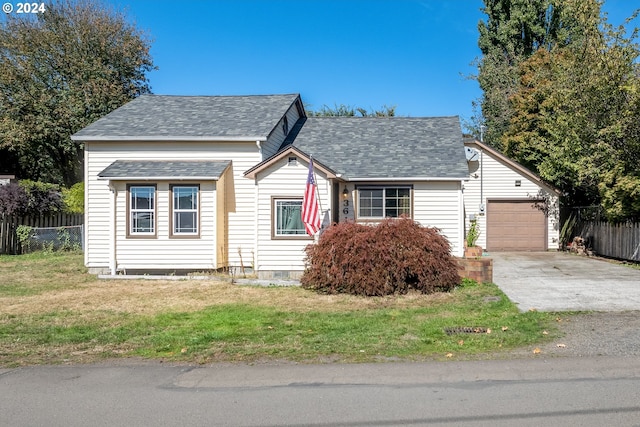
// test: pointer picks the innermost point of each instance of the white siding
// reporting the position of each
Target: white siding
(439, 204)
(282, 179)
(435, 204)
(162, 252)
(99, 155)
(499, 182)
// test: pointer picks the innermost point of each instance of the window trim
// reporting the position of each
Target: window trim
(274, 219)
(172, 232)
(129, 224)
(383, 188)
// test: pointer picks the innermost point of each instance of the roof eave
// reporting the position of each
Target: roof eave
(251, 173)
(406, 178)
(512, 163)
(159, 178)
(150, 138)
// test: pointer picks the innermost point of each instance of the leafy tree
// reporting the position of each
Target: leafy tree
(514, 30)
(349, 111)
(575, 113)
(59, 71)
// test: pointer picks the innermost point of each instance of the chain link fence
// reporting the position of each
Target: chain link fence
(51, 238)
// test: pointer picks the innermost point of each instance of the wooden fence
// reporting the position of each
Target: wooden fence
(9, 242)
(620, 241)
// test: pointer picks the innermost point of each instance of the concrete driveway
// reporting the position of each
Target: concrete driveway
(557, 281)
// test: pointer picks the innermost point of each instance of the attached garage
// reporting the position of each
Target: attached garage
(515, 225)
(501, 195)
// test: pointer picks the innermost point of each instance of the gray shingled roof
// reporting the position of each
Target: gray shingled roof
(164, 169)
(161, 117)
(394, 147)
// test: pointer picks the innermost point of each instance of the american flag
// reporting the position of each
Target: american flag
(310, 210)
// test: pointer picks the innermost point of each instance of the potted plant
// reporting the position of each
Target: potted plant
(471, 250)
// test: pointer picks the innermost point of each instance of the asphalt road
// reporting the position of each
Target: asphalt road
(568, 391)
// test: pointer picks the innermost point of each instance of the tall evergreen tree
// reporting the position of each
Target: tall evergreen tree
(513, 31)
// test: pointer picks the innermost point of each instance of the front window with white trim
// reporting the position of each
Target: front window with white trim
(185, 209)
(384, 202)
(142, 210)
(288, 218)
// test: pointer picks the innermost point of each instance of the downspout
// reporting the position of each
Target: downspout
(87, 184)
(113, 264)
(256, 242)
(462, 224)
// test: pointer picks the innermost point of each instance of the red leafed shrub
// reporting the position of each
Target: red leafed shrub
(392, 257)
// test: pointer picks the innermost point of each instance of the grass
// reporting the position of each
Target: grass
(54, 312)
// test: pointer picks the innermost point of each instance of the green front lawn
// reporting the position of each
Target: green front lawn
(54, 312)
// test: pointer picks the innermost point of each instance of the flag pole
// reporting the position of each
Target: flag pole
(315, 179)
(320, 212)
(311, 207)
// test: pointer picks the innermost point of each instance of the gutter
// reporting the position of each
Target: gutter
(158, 178)
(154, 138)
(407, 178)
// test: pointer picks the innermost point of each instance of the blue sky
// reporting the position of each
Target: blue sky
(414, 54)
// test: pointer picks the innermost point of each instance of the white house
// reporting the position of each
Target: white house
(367, 169)
(199, 183)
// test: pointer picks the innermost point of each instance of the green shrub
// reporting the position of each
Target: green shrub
(392, 257)
(74, 198)
(24, 233)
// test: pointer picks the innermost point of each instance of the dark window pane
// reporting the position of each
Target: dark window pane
(186, 222)
(185, 197)
(142, 197)
(370, 202)
(142, 222)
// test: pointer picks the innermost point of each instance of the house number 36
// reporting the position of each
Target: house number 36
(345, 210)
